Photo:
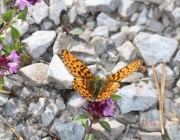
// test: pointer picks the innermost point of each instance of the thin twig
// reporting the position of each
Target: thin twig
(159, 94)
(162, 96)
(14, 131)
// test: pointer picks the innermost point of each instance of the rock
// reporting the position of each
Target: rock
(55, 8)
(47, 24)
(142, 19)
(137, 97)
(60, 104)
(154, 26)
(176, 15)
(134, 30)
(38, 42)
(39, 107)
(68, 3)
(165, 20)
(98, 5)
(150, 120)
(116, 129)
(86, 35)
(25, 92)
(126, 119)
(153, 50)
(13, 81)
(38, 12)
(111, 56)
(104, 19)
(59, 74)
(49, 114)
(118, 38)
(168, 105)
(3, 98)
(150, 1)
(80, 20)
(100, 31)
(34, 75)
(176, 108)
(134, 17)
(173, 130)
(63, 42)
(90, 23)
(72, 14)
(127, 7)
(177, 58)
(168, 73)
(8, 135)
(70, 131)
(127, 51)
(150, 135)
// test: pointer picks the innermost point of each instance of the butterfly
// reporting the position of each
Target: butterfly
(90, 87)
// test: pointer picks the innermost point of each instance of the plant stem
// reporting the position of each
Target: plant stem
(90, 126)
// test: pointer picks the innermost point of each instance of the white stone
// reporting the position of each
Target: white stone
(104, 19)
(90, 23)
(173, 130)
(49, 114)
(60, 104)
(134, 17)
(86, 35)
(116, 129)
(47, 24)
(3, 98)
(169, 74)
(100, 31)
(58, 73)
(134, 30)
(55, 8)
(127, 7)
(150, 120)
(142, 19)
(38, 42)
(127, 51)
(35, 74)
(152, 50)
(176, 108)
(119, 38)
(39, 107)
(99, 5)
(165, 20)
(72, 14)
(154, 26)
(81, 9)
(68, 3)
(136, 97)
(38, 12)
(176, 15)
(150, 135)
(150, 1)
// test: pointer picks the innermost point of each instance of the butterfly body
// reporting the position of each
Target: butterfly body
(90, 87)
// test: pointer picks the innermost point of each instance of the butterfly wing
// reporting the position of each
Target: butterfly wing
(125, 71)
(84, 87)
(107, 90)
(75, 66)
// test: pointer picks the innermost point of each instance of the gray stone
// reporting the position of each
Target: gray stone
(72, 14)
(173, 130)
(150, 135)
(126, 119)
(39, 107)
(38, 12)
(80, 20)
(59, 74)
(127, 7)
(150, 120)
(142, 19)
(150, 1)
(104, 19)
(49, 114)
(176, 108)
(119, 38)
(70, 131)
(13, 81)
(134, 17)
(35, 74)
(154, 26)
(111, 56)
(153, 50)
(116, 129)
(25, 92)
(86, 35)
(8, 135)
(38, 42)
(99, 5)
(137, 97)
(60, 104)
(55, 8)
(165, 20)
(176, 15)
(134, 30)
(127, 51)
(90, 23)
(100, 31)
(47, 24)
(3, 98)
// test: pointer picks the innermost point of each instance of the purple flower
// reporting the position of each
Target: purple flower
(102, 108)
(13, 56)
(1, 47)
(13, 67)
(3, 64)
(22, 3)
(33, 2)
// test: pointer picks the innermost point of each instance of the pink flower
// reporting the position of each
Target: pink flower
(13, 56)
(33, 2)
(1, 47)
(13, 67)
(102, 108)
(22, 3)
(3, 64)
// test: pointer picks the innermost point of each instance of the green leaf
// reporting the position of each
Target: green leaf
(80, 118)
(115, 96)
(8, 49)
(76, 31)
(5, 1)
(105, 125)
(23, 13)
(1, 38)
(15, 33)
(17, 46)
(1, 86)
(8, 15)
(89, 137)
(85, 123)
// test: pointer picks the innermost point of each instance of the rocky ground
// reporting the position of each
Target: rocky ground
(116, 32)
